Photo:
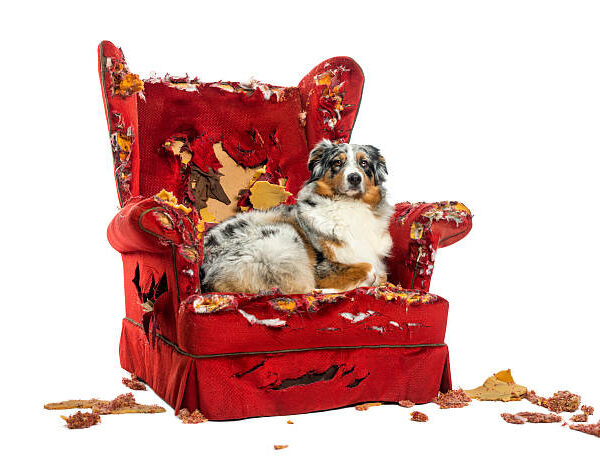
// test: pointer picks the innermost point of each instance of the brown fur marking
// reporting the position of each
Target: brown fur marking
(372, 195)
(329, 186)
(327, 250)
(323, 188)
(345, 277)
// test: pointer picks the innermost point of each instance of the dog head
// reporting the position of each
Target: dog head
(355, 171)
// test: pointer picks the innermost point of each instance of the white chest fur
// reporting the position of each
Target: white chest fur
(364, 235)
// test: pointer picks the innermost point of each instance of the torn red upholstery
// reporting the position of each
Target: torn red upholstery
(177, 145)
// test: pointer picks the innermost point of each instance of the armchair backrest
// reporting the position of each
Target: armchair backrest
(224, 146)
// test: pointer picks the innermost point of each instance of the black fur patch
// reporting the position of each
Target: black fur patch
(239, 223)
(376, 163)
(210, 239)
(268, 232)
(321, 160)
(229, 229)
(320, 256)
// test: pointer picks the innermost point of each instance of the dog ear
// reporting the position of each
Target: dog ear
(378, 164)
(316, 159)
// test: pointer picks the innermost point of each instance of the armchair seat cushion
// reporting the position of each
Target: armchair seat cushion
(221, 324)
(247, 355)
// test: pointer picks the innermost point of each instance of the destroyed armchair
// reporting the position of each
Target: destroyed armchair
(189, 154)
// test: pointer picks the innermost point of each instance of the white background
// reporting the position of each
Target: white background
(496, 104)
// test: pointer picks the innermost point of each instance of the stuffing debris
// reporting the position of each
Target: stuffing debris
(513, 418)
(81, 420)
(589, 410)
(590, 429)
(452, 399)
(561, 401)
(582, 417)
(538, 418)
(134, 383)
(406, 403)
(418, 416)
(195, 417)
(366, 406)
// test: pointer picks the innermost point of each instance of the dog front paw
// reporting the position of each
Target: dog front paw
(381, 279)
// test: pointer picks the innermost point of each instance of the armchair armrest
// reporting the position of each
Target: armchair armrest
(161, 244)
(154, 225)
(417, 231)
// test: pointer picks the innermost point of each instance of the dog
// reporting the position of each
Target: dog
(335, 238)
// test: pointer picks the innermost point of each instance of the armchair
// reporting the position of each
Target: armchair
(189, 154)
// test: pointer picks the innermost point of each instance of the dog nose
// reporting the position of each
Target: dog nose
(354, 178)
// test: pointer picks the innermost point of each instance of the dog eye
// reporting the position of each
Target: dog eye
(337, 163)
(363, 163)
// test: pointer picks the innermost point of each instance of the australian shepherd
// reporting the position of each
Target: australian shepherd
(334, 238)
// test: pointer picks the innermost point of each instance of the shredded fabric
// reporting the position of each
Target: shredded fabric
(358, 317)
(277, 323)
(71, 404)
(206, 304)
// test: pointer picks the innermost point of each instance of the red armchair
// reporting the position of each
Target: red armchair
(188, 154)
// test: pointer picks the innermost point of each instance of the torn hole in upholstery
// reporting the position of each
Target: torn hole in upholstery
(250, 370)
(189, 253)
(357, 381)
(209, 303)
(123, 82)
(288, 305)
(310, 377)
(355, 318)
(148, 299)
(391, 292)
(168, 198)
(253, 320)
(265, 195)
(155, 290)
(163, 219)
(350, 370)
